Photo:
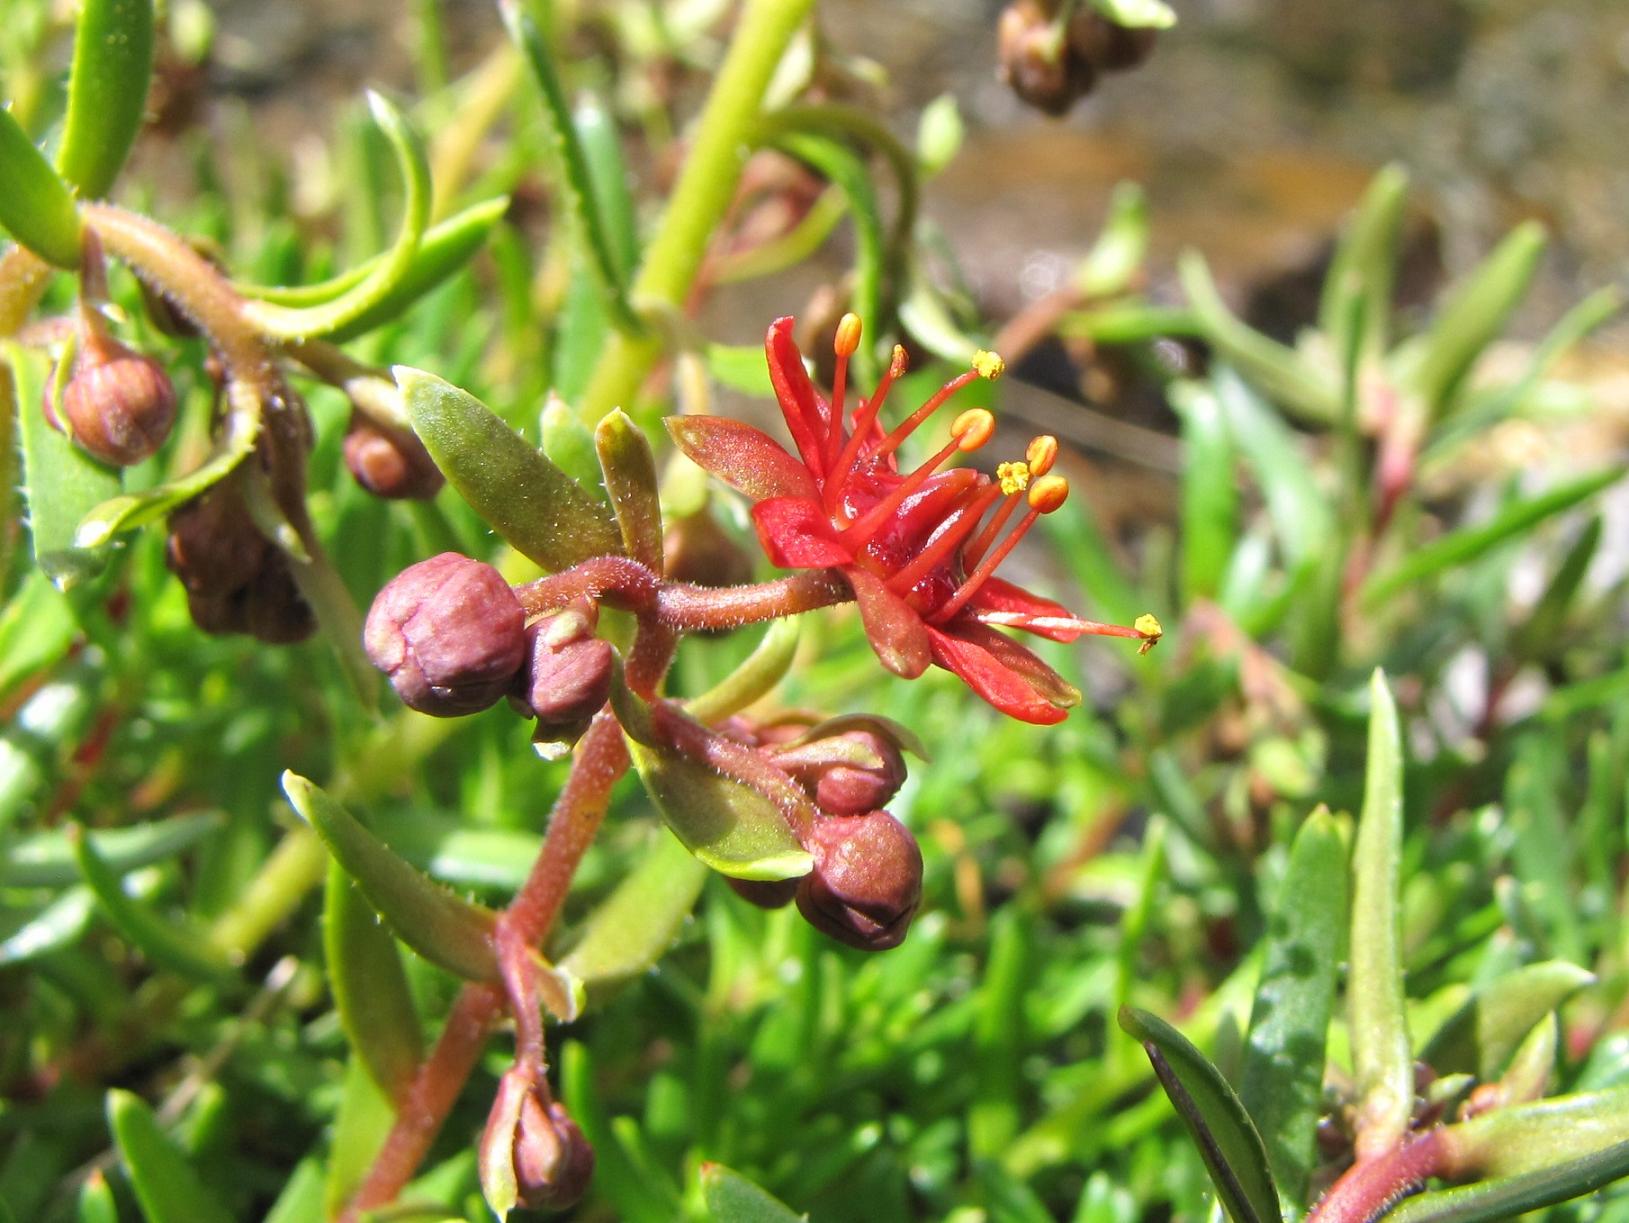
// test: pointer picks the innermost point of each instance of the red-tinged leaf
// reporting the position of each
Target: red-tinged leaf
(747, 459)
(1001, 596)
(796, 535)
(989, 676)
(894, 627)
(805, 412)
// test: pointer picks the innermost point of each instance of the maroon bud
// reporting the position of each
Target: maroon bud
(214, 546)
(118, 406)
(698, 550)
(1106, 46)
(390, 463)
(848, 773)
(566, 676)
(532, 1153)
(765, 893)
(1035, 61)
(450, 634)
(277, 612)
(866, 882)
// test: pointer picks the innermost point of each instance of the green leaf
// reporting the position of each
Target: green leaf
(1540, 635)
(1227, 1139)
(1363, 267)
(1282, 1081)
(1473, 317)
(48, 860)
(56, 925)
(36, 207)
(107, 91)
(369, 987)
(37, 626)
(939, 134)
(629, 465)
(756, 677)
(361, 1123)
(628, 931)
(741, 367)
(569, 444)
(541, 511)
(1382, 1067)
(1137, 14)
(166, 1184)
(181, 949)
(386, 277)
(444, 929)
(1282, 373)
(1299, 509)
(1210, 496)
(1533, 1137)
(1494, 1201)
(1467, 543)
(1118, 254)
(1480, 1037)
(732, 1198)
(60, 481)
(96, 1203)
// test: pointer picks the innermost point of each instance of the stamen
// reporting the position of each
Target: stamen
(934, 403)
(945, 540)
(969, 431)
(988, 365)
(863, 420)
(1045, 495)
(1041, 454)
(845, 344)
(1013, 477)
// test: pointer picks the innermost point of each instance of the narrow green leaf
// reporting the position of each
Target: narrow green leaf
(634, 1196)
(1282, 1081)
(1303, 521)
(37, 626)
(1363, 266)
(54, 926)
(1533, 1137)
(541, 511)
(48, 860)
(302, 323)
(732, 1198)
(1137, 14)
(440, 926)
(36, 207)
(998, 1037)
(1467, 543)
(60, 481)
(1474, 315)
(1381, 1063)
(1540, 635)
(181, 949)
(1280, 372)
(1494, 1201)
(107, 91)
(166, 1184)
(1210, 495)
(569, 444)
(361, 1123)
(1121, 246)
(1227, 1139)
(628, 931)
(939, 133)
(629, 465)
(96, 1203)
(756, 677)
(369, 987)
(301, 1196)
(1480, 1037)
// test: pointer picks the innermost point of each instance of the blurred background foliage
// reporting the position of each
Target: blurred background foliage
(1228, 478)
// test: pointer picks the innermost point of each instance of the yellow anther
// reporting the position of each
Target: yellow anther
(988, 365)
(1042, 453)
(1148, 626)
(972, 428)
(1048, 493)
(1013, 477)
(899, 362)
(848, 335)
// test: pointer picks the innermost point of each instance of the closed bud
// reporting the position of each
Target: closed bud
(277, 612)
(566, 675)
(849, 773)
(390, 463)
(1035, 62)
(765, 893)
(866, 882)
(118, 406)
(450, 634)
(214, 546)
(532, 1153)
(1106, 46)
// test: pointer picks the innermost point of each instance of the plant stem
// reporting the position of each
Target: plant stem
(691, 608)
(706, 185)
(1367, 1189)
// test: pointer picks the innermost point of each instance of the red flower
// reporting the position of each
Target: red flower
(918, 548)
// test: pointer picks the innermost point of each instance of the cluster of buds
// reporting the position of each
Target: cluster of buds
(237, 581)
(1052, 55)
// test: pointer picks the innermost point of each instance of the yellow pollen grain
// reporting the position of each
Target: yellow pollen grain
(988, 365)
(1013, 477)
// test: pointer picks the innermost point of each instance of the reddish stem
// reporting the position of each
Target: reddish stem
(693, 608)
(1367, 1189)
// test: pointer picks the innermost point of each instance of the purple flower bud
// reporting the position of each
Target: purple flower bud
(849, 773)
(566, 676)
(118, 406)
(390, 463)
(1033, 59)
(866, 882)
(532, 1153)
(214, 546)
(765, 893)
(450, 634)
(277, 612)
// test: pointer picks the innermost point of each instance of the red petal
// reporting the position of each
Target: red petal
(747, 459)
(999, 596)
(1003, 672)
(796, 534)
(806, 413)
(894, 627)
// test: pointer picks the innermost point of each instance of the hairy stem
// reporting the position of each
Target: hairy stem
(691, 608)
(1367, 1189)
